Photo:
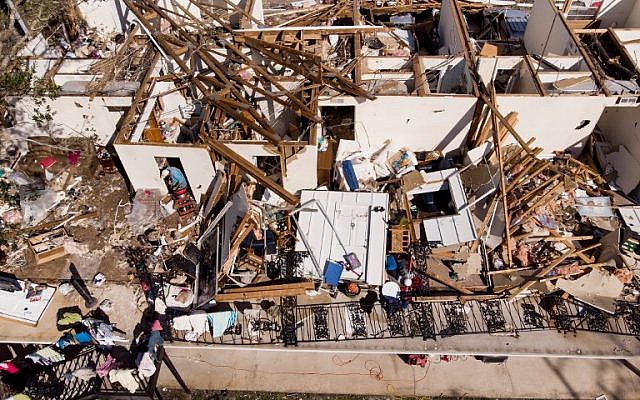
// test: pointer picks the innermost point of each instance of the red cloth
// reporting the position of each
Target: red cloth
(47, 162)
(9, 367)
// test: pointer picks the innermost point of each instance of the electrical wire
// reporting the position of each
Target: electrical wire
(372, 368)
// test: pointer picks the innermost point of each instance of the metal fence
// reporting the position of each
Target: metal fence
(426, 320)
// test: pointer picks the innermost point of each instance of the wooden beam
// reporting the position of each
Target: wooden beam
(506, 123)
(422, 86)
(322, 30)
(254, 171)
(264, 292)
(503, 184)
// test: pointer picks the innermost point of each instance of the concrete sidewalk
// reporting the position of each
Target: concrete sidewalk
(386, 374)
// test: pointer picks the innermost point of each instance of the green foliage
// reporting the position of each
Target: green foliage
(16, 82)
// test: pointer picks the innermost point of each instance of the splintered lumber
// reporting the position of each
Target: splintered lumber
(503, 183)
(506, 123)
(545, 270)
(264, 292)
(254, 171)
(432, 264)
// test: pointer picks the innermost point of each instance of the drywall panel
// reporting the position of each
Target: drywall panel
(633, 21)
(488, 66)
(573, 63)
(302, 172)
(614, 13)
(107, 16)
(420, 123)
(621, 126)
(449, 30)
(387, 63)
(545, 33)
(139, 162)
(72, 116)
(60, 80)
(553, 120)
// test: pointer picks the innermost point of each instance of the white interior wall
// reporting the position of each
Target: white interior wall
(630, 40)
(420, 123)
(616, 13)
(488, 66)
(387, 63)
(142, 170)
(448, 30)
(633, 21)
(553, 120)
(621, 126)
(73, 116)
(302, 172)
(278, 116)
(545, 33)
(398, 76)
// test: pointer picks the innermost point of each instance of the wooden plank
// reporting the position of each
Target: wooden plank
(419, 72)
(306, 285)
(254, 171)
(225, 297)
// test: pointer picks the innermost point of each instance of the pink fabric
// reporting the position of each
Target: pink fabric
(9, 367)
(108, 364)
(156, 326)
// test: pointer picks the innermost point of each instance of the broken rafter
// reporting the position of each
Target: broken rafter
(254, 171)
(246, 114)
(308, 65)
(503, 185)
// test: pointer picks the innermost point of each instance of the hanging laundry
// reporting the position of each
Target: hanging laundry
(146, 366)
(84, 374)
(194, 324)
(125, 378)
(107, 365)
(221, 321)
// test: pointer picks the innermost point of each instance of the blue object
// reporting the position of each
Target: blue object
(516, 23)
(332, 272)
(83, 337)
(178, 180)
(350, 175)
(392, 265)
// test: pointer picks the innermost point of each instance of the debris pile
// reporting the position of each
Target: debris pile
(252, 160)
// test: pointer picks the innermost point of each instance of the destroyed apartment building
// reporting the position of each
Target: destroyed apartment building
(310, 173)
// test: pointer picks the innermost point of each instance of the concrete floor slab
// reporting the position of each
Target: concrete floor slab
(386, 374)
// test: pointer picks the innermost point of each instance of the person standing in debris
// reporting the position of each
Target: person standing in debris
(175, 179)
